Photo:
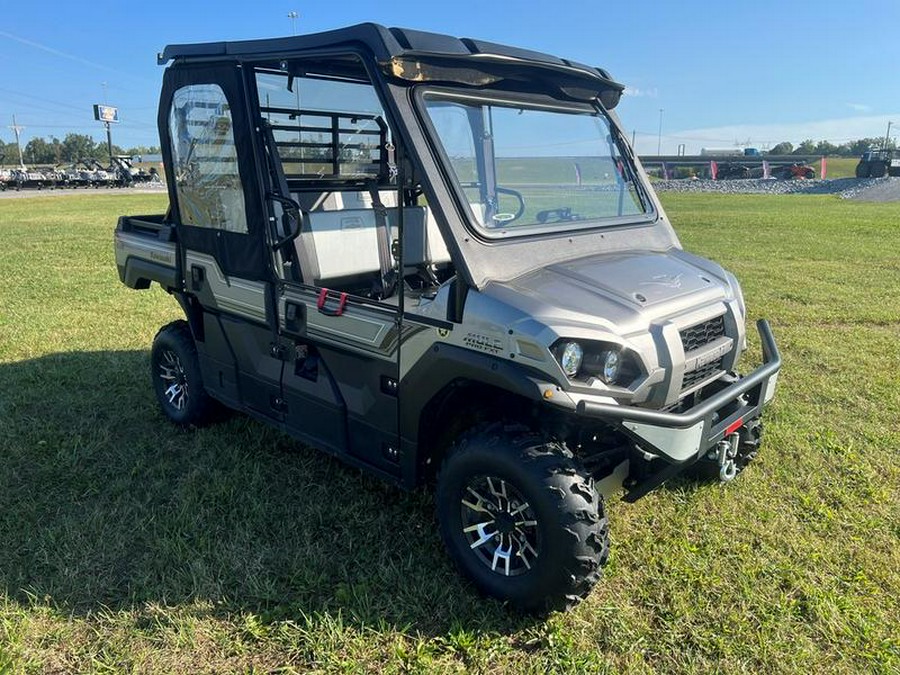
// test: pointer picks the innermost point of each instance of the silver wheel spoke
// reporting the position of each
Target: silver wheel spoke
(171, 373)
(499, 525)
(485, 536)
(176, 395)
(503, 554)
(494, 491)
(525, 547)
(521, 507)
(479, 504)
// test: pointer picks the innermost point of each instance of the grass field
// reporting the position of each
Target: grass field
(129, 546)
(837, 167)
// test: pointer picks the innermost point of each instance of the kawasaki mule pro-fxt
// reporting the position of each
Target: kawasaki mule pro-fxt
(439, 260)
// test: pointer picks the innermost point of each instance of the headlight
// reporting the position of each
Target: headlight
(570, 358)
(610, 366)
(609, 363)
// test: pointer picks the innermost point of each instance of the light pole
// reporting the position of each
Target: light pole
(293, 17)
(887, 136)
(659, 136)
(16, 130)
(108, 129)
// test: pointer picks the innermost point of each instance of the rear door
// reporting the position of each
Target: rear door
(216, 204)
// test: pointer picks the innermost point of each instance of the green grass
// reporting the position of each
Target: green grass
(129, 546)
(837, 167)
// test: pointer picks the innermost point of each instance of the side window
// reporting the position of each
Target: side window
(324, 129)
(207, 180)
(331, 136)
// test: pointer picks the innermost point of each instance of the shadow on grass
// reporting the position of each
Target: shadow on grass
(103, 504)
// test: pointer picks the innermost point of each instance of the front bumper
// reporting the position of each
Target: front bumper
(683, 437)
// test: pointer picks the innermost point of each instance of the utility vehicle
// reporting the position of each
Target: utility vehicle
(879, 163)
(439, 260)
(795, 170)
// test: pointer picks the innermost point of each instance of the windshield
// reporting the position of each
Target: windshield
(525, 168)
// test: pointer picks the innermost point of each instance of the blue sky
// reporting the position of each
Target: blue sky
(722, 72)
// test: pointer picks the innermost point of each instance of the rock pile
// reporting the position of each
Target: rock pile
(873, 189)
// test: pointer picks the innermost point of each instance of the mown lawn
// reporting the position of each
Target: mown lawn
(129, 546)
(837, 167)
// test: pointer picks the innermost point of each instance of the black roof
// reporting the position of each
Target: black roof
(385, 44)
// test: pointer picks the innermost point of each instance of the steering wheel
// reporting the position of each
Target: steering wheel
(506, 217)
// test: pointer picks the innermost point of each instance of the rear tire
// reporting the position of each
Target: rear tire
(177, 381)
(521, 519)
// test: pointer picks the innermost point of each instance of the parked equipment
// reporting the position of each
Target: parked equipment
(795, 170)
(384, 277)
(879, 163)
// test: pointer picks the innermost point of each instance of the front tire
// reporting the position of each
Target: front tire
(176, 376)
(521, 519)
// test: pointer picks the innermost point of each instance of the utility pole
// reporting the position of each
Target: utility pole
(659, 137)
(16, 129)
(293, 17)
(887, 136)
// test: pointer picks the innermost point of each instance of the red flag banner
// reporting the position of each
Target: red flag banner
(713, 169)
(824, 168)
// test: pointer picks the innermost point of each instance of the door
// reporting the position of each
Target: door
(328, 147)
(220, 222)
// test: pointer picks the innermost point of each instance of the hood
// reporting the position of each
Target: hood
(626, 289)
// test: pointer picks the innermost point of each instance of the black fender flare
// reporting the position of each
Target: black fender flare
(443, 365)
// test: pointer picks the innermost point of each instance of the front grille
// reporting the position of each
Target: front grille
(695, 376)
(702, 334)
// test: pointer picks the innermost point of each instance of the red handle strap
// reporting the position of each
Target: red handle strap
(323, 298)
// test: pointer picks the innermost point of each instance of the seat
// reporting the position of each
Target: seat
(423, 243)
(338, 241)
(340, 248)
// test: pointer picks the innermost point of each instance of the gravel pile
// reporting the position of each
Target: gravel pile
(871, 189)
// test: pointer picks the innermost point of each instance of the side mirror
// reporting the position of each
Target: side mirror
(290, 220)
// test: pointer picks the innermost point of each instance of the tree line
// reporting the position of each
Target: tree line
(70, 149)
(82, 146)
(825, 148)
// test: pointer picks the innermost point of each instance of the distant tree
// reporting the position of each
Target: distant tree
(807, 147)
(9, 154)
(143, 150)
(79, 146)
(861, 145)
(39, 151)
(826, 148)
(783, 148)
(57, 146)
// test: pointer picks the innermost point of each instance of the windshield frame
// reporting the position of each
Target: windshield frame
(535, 102)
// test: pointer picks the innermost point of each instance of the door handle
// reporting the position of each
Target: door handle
(295, 317)
(198, 274)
